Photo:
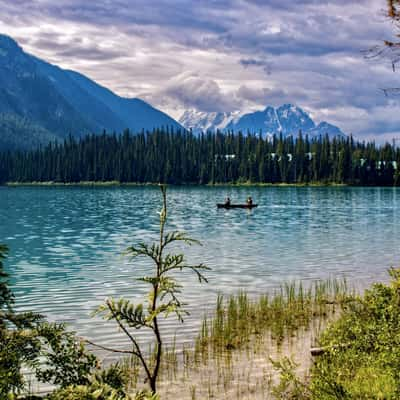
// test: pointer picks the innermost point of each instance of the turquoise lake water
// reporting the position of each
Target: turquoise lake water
(67, 243)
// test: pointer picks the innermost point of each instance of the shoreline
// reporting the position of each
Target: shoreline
(139, 184)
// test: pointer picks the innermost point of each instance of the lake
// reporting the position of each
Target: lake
(67, 243)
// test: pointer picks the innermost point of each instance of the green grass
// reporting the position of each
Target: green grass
(239, 319)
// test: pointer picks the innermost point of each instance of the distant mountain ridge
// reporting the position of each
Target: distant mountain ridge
(287, 119)
(41, 102)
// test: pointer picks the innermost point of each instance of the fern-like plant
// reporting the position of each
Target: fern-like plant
(162, 299)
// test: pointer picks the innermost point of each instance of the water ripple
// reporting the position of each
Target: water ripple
(67, 244)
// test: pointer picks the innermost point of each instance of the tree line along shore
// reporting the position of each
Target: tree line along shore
(164, 156)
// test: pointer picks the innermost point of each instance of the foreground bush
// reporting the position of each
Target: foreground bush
(26, 339)
(362, 358)
(97, 390)
(360, 352)
(18, 342)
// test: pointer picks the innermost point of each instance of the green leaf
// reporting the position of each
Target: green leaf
(125, 311)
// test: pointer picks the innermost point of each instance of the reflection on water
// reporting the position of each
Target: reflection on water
(67, 243)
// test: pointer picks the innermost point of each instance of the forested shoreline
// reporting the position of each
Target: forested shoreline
(210, 158)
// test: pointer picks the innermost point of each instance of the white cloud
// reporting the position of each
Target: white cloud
(221, 55)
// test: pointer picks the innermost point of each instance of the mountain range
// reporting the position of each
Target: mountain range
(287, 119)
(40, 102)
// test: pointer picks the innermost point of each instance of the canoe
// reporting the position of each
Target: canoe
(222, 205)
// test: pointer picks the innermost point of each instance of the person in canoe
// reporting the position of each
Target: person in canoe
(249, 201)
(227, 201)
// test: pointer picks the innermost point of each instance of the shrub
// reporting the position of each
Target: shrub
(26, 339)
(362, 357)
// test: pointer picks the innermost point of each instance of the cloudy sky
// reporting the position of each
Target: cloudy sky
(223, 55)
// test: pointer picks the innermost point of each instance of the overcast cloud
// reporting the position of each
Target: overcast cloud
(223, 55)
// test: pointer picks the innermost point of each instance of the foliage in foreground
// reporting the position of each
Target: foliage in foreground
(108, 384)
(27, 340)
(54, 354)
(18, 343)
(361, 358)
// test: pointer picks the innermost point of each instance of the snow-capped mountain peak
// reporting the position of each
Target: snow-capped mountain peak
(200, 121)
(287, 119)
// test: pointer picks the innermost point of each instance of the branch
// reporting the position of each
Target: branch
(126, 311)
(171, 262)
(108, 348)
(179, 236)
(194, 268)
(139, 353)
(319, 351)
(142, 249)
